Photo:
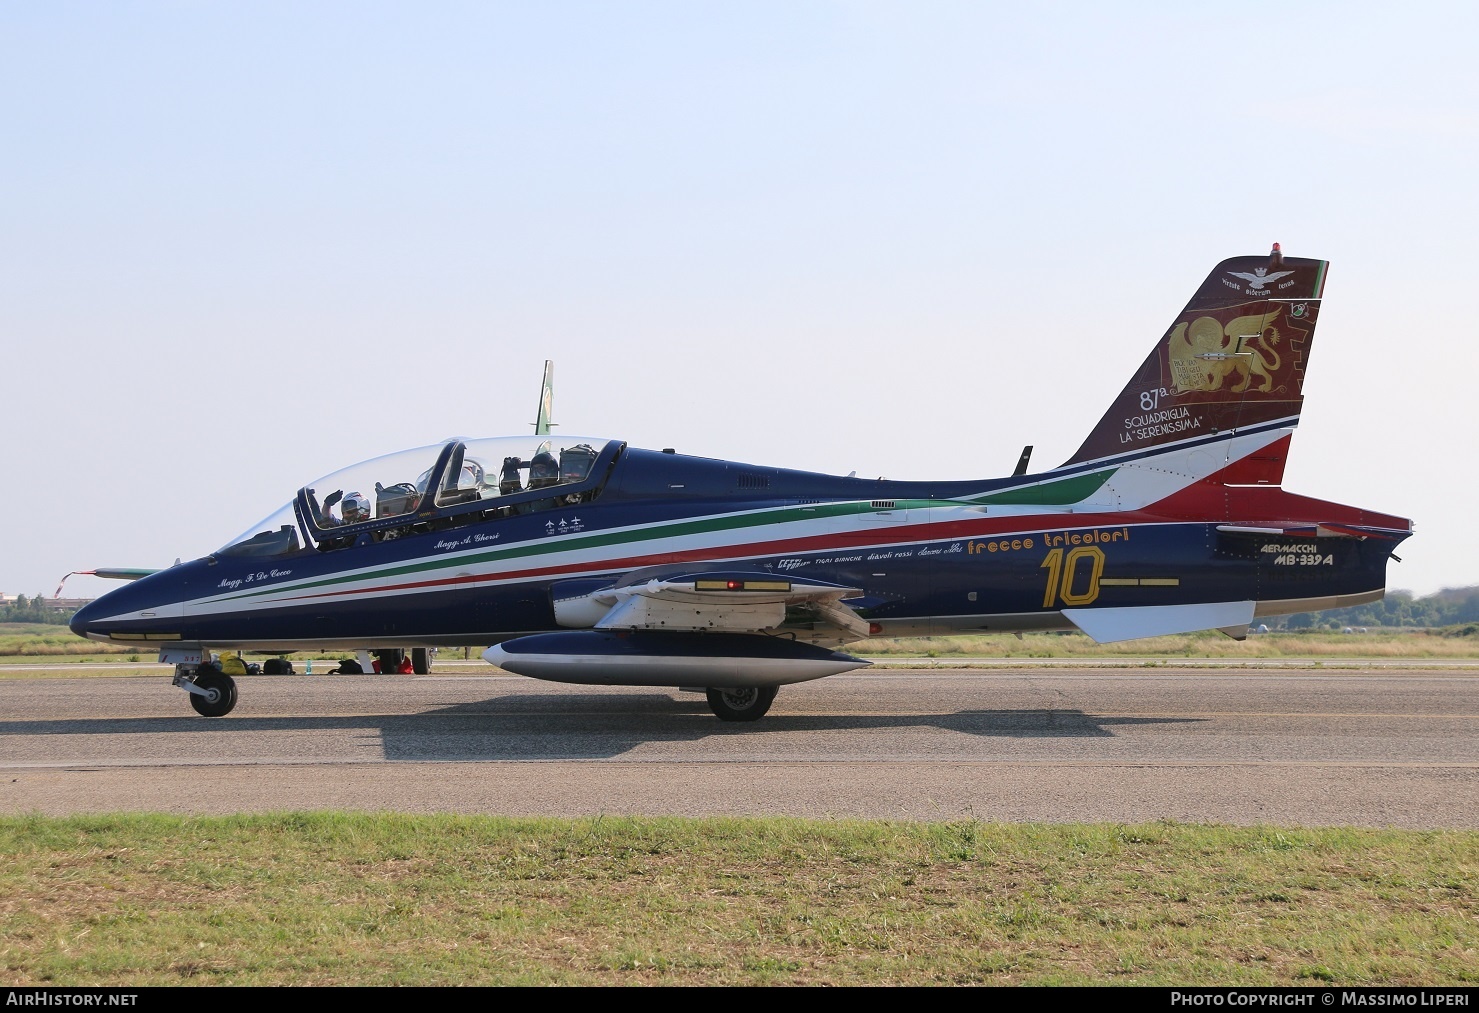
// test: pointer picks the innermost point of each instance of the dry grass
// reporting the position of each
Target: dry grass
(1415, 644)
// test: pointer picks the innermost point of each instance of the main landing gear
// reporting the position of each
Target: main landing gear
(742, 703)
(390, 661)
(212, 691)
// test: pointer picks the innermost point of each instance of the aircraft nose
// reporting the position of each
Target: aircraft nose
(83, 618)
(96, 621)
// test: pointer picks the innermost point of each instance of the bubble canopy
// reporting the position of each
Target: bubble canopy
(400, 485)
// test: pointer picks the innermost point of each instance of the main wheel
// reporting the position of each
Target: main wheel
(390, 661)
(744, 703)
(420, 661)
(220, 695)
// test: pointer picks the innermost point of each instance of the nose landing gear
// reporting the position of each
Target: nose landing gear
(212, 692)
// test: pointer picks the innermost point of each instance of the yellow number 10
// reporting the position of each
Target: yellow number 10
(1061, 573)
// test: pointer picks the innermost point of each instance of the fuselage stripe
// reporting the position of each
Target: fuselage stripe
(916, 533)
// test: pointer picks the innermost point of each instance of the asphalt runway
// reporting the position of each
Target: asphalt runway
(1373, 747)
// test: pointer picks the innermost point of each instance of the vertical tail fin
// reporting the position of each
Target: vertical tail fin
(542, 423)
(1233, 360)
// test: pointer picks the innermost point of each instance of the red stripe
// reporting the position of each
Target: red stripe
(816, 543)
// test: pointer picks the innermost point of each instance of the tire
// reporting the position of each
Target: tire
(420, 661)
(743, 703)
(389, 660)
(222, 690)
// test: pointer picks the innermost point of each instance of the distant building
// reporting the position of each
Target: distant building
(54, 604)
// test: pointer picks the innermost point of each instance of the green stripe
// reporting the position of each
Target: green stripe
(1067, 490)
(568, 543)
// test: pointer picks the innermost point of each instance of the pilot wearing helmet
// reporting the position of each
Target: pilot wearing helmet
(355, 508)
(544, 470)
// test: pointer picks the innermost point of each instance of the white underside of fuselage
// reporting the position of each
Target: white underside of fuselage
(923, 626)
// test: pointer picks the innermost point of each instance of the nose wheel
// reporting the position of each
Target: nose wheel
(212, 692)
(742, 703)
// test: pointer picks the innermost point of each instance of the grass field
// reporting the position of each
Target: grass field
(28, 643)
(379, 899)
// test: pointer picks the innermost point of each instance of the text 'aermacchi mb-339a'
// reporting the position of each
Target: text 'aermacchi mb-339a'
(589, 561)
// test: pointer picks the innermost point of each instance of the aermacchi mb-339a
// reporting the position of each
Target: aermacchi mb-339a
(589, 561)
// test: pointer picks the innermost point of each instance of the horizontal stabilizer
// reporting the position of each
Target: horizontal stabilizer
(1108, 625)
(1321, 529)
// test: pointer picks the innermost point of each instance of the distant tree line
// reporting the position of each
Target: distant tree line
(34, 610)
(1449, 607)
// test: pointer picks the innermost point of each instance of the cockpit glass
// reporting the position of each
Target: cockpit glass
(396, 485)
(387, 486)
(274, 535)
(506, 465)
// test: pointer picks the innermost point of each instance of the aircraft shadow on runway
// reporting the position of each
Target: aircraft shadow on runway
(587, 726)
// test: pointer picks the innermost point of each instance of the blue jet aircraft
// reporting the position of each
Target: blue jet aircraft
(586, 560)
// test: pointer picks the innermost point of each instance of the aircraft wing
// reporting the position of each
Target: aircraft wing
(729, 601)
(1112, 625)
(1322, 529)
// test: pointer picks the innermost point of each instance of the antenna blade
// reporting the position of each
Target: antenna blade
(1022, 461)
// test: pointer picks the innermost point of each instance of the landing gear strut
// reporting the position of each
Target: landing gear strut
(743, 703)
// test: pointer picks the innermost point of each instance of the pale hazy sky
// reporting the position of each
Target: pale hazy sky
(243, 245)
